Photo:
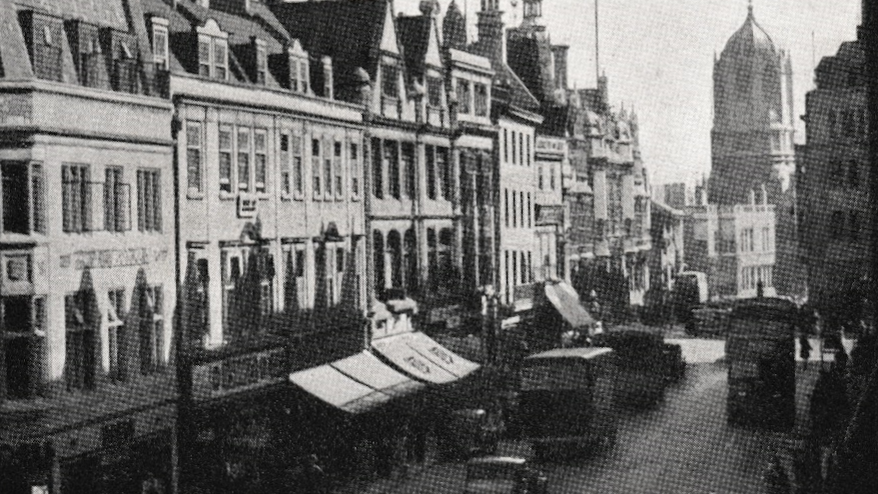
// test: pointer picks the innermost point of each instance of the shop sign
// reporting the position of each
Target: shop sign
(239, 373)
(549, 214)
(546, 145)
(113, 258)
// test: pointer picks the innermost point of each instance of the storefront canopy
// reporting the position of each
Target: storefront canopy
(566, 302)
(420, 356)
(369, 370)
(337, 389)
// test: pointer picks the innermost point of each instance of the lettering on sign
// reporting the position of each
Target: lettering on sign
(112, 258)
(551, 145)
(239, 373)
(442, 354)
(418, 364)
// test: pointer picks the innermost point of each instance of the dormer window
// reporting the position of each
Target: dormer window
(213, 51)
(390, 80)
(160, 43)
(327, 78)
(299, 73)
(261, 62)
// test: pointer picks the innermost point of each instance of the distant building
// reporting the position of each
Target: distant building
(668, 240)
(734, 246)
(676, 195)
(833, 185)
(752, 136)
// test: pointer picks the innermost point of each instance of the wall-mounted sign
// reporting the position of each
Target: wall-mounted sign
(549, 214)
(239, 373)
(548, 145)
(113, 258)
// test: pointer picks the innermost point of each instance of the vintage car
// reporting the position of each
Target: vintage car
(503, 475)
(472, 431)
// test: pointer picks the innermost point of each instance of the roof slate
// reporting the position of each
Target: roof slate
(414, 34)
(109, 13)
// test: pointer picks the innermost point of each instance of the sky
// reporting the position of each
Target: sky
(658, 58)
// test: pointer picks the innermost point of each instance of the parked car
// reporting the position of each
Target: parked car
(646, 364)
(472, 431)
(503, 475)
(709, 319)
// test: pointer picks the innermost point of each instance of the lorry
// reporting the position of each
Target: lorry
(566, 400)
(760, 354)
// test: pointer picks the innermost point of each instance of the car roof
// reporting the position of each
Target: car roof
(497, 460)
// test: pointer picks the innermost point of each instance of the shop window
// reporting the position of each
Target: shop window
(354, 170)
(152, 331)
(116, 335)
(76, 198)
(23, 343)
(407, 168)
(464, 97)
(225, 158)
(149, 200)
(194, 162)
(81, 342)
(315, 169)
(260, 161)
(391, 157)
(337, 151)
(430, 167)
(23, 201)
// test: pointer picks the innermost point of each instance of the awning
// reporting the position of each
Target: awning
(441, 356)
(369, 370)
(566, 302)
(335, 388)
(398, 350)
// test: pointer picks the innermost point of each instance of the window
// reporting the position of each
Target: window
(336, 274)
(434, 91)
(23, 343)
(149, 200)
(514, 148)
(315, 168)
(23, 201)
(261, 62)
(391, 157)
(540, 173)
(394, 253)
(410, 260)
(299, 73)
(243, 161)
(160, 44)
(327, 78)
(407, 168)
(514, 209)
(552, 177)
(853, 174)
(194, 165)
(378, 166)
(527, 150)
(204, 57)
(295, 296)
(285, 176)
(521, 209)
(443, 166)
(225, 158)
(506, 267)
(213, 57)
(298, 166)
(339, 170)
(854, 225)
(430, 167)
(354, 170)
(81, 343)
(506, 207)
(115, 200)
(481, 99)
(327, 169)
(76, 198)
(260, 160)
(390, 80)
(505, 146)
(220, 59)
(530, 216)
(432, 258)
(446, 267)
(152, 331)
(521, 159)
(463, 96)
(116, 337)
(515, 268)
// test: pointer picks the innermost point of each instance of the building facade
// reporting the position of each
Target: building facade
(752, 137)
(87, 291)
(833, 178)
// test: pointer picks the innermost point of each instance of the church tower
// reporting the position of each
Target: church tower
(752, 136)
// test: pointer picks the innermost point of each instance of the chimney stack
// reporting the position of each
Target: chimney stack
(559, 56)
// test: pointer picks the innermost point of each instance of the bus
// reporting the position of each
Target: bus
(760, 354)
(566, 400)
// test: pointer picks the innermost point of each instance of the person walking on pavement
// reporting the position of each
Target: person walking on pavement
(776, 479)
(804, 350)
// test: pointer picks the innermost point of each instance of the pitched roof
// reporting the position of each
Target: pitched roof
(414, 35)
(519, 95)
(109, 13)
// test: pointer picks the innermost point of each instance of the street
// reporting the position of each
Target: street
(682, 446)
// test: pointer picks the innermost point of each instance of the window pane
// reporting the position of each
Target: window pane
(225, 159)
(243, 159)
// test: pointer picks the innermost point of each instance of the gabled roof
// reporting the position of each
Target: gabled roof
(348, 31)
(414, 35)
(519, 95)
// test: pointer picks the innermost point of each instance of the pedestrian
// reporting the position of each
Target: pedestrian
(804, 350)
(776, 479)
(314, 477)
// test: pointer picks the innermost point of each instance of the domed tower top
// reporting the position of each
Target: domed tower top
(749, 38)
